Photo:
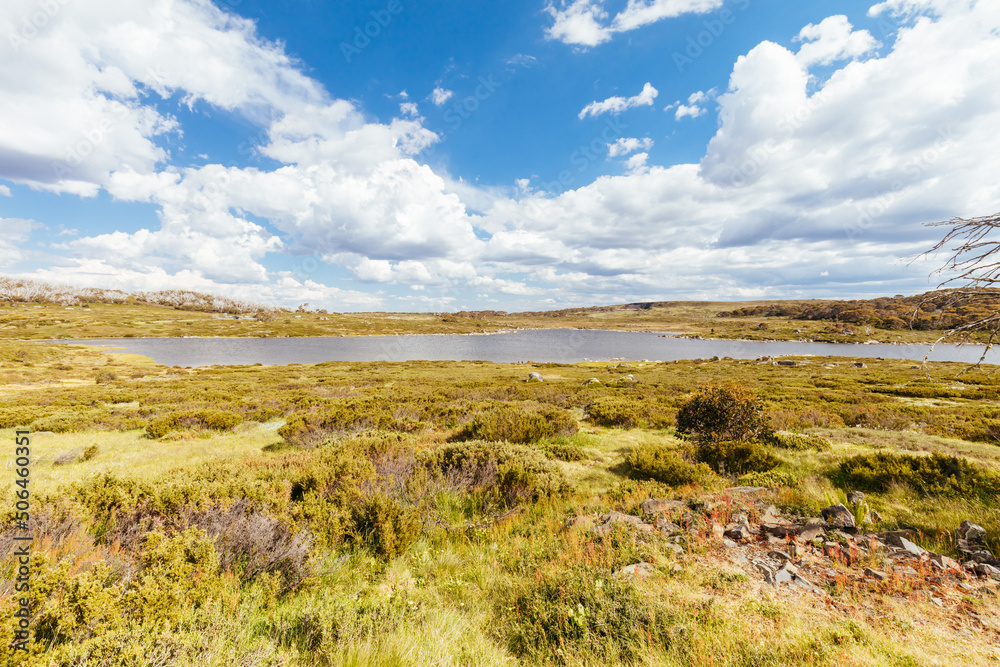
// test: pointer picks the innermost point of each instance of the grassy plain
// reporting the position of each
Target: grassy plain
(309, 515)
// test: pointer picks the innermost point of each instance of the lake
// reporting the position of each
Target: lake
(539, 345)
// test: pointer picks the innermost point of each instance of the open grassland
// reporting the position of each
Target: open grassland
(429, 513)
(27, 321)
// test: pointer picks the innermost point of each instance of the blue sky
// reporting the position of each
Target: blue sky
(519, 155)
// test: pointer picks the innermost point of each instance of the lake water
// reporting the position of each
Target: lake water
(539, 345)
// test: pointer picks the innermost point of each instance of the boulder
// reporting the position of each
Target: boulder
(640, 570)
(907, 546)
(839, 516)
(654, 506)
(876, 574)
(786, 362)
(664, 525)
(608, 521)
(535, 377)
(855, 497)
(972, 533)
(859, 364)
(591, 381)
(739, 530)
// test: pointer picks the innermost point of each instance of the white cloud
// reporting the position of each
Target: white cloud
(616, 105)
(14, 231)
(584, 22)
(580, 23)
(4, 191)
(838, 174)
(626, 145)
(637, 163)
(409, 109)
(439, 96)
(692, 109)
(832, 40)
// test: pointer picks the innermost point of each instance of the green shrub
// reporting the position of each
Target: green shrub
(736, 457)
(515, 423)
(577, 616)
(105, 377)
(565, 452)
(615, 411)
(338, 417)
(799, 442)
(384, 525)
(509, 473)
(770, 479)
(936, 474)
(90, 452)
(216, 420)
(723, 412)
(666, 465)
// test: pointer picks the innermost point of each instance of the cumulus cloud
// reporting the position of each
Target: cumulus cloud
(439, 96)
(4, 191)
(13, 232)
(616, 105)
(833, 39)
(409, 109)
(626, 145)
(585, 22)
(692, 109)
(800, 178)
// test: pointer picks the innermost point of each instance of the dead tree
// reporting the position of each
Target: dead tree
(974, 266)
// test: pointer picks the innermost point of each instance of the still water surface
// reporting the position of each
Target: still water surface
(544, 345)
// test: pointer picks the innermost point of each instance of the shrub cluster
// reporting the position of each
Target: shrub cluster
(666, 465)
(515, 423)
(736, 457)
(936, 474)
(615, 411)
(505, 472)
(723, 412)
(216, 420)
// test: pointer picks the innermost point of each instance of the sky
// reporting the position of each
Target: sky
(524, 155)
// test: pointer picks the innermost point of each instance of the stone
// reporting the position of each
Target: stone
(718, 532)
(839, 516)
(855, 497)
(786, 362)
(591, 381)
(729, 543)
(614, 518)
(831, 549)
(876, 574)
(653, 506)
(859, 364)
(972, 533)
(907, 546)
(778, 554)
(535, 377)
(665, 525)
(945, 563)
(985, 570)
(809, 533)
(630, 378)
(676, 548)
(872, 517)
(936, 601)
(640, 570)
(739, 530)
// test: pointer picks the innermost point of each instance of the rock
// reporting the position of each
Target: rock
(718, 532)
(859, 364)
(640, 570)
(839, 516)
(872, 517)
(611, 519)
(739, 530)
(985, 570)
(936, 601)
(676, 548)
(729, 543)
(664, 525)
(591, 381)
(578, 521)
(777, 554)
(535, 377)
(652, 507)
(810, 532)
(972, 533)
(945, 563)
(908, 546)
(876, 574)
(831, 549)
(855, 497)
(786, 362)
